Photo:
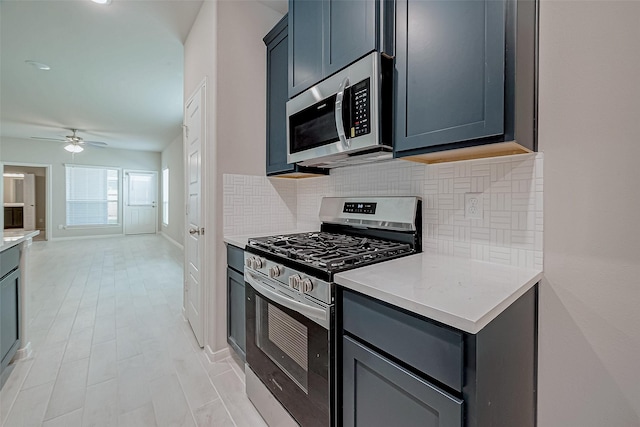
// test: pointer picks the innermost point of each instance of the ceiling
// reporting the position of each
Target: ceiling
(116, 71)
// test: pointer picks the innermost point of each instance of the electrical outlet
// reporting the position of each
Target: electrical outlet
(473, 208)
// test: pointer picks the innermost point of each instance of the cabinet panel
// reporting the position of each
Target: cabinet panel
(378, 392)
(235, 258)
(9, 317)
(450, 71)
(277, 96)
(235, 311)
(432, 349)
(305, 44)
(349, 32)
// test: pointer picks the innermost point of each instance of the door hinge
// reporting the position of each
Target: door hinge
(202, 231)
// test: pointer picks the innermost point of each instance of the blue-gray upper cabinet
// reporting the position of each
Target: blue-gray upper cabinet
(326, 36)
(277, 96)
(349, 28)
(465, 74)
(305, 44)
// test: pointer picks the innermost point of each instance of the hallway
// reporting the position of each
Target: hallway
(110, 345)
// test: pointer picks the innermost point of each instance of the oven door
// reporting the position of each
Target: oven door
(290, 353)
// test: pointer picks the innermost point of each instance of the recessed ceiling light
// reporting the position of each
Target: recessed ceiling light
(105, 2)
(38, 65)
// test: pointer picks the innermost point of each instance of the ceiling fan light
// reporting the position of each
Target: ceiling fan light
(73, 148)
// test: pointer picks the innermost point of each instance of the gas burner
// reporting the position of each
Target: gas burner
(331, 251)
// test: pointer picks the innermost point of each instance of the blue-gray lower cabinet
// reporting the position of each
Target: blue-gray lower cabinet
(9, 308)
(465, 75)
(398, 368)
(235, 300)
(381, 393)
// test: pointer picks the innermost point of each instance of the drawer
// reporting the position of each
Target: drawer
(9, 260)
(235, 258)
(436, 351)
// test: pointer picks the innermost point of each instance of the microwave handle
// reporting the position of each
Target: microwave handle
(346, 143)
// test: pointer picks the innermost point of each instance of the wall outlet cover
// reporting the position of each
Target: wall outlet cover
(473, 206)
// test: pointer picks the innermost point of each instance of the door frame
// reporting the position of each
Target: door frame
(203, 217)
(48, 192)
(125, 193)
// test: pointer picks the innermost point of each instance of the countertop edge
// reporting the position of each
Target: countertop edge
(9, 242)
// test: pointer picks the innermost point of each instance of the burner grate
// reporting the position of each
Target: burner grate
(331, 251)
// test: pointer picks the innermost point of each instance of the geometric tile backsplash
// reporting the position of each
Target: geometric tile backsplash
(509, 189)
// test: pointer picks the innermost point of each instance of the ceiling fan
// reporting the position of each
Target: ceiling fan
(75, 144)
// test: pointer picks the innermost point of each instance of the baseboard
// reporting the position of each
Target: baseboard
(23, 352)
(166, 236)
(216, 356)
(95, 236)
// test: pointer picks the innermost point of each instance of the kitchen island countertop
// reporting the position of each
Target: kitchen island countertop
(13, 238)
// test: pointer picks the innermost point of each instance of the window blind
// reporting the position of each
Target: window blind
(92, 195)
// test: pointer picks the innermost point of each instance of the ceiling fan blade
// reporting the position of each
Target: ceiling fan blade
(98, 144)
(49, 139)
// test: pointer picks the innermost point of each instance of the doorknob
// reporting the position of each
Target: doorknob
(193, 231)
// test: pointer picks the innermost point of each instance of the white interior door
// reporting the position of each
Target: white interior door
(194, 133)
(140, 208)
(29, 199)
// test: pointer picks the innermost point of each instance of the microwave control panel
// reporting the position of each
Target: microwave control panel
(360, 109)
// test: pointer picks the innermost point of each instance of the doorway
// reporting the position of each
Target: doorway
(140, 208)
(27, 198)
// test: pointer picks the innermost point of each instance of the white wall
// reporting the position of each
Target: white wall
(172, 157)
(29, 151)
(590, 134)
(225, 46)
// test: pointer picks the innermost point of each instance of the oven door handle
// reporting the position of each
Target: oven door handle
(346, 143)
(316, 314)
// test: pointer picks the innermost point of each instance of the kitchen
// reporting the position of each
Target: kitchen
(586, 336)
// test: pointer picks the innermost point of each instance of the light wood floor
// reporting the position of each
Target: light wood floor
(111, 347)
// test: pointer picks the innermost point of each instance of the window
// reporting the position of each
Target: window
(165, 196)
(92, 195)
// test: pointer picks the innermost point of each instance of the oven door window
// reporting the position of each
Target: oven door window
(314, 126)
(284, 340)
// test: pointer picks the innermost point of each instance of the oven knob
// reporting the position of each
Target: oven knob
(307, 285)
(248, 262)
(257, 263)
(275, 271)
(294, 281)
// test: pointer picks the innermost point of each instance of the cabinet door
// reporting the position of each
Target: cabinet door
(235, 311)
(450, 71)
(277, 96)
(378, 392)
(305, 44)
(9, 316)
(349, 32)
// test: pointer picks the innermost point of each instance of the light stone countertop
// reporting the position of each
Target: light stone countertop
(463, 293)
(13, 238)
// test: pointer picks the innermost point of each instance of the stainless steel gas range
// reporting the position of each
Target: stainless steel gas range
(290, 296)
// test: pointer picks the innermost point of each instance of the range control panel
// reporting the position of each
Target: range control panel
(360, 208)
(360, 109)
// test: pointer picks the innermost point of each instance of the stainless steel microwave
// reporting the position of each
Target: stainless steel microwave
(344, 119)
